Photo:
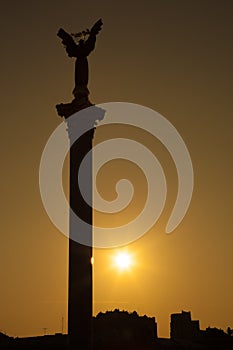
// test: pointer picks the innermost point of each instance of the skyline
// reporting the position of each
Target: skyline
(175, 58)
(120, 328)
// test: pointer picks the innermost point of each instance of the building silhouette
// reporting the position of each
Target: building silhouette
(183, 327)
(123, 327)
(114, 330)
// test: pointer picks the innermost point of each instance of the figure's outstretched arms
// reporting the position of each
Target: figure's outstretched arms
(84, 48)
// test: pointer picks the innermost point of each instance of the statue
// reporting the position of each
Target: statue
(81, 51)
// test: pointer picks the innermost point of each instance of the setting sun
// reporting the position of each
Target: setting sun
(123, 261)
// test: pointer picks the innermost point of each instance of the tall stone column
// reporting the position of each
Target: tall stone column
(80, 231)
(80, 267)
(80, 234)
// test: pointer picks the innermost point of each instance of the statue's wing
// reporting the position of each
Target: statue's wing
(68, 42)
(89, 44)
(97, 27)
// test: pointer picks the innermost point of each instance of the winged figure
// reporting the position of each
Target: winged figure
(80, 51)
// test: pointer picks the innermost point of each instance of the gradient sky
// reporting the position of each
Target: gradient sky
(174, 56)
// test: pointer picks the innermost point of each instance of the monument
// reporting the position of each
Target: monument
(80, 263)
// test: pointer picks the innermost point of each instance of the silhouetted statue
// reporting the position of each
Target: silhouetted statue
(81, 51)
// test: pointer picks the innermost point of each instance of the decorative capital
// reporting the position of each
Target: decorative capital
(84, 120)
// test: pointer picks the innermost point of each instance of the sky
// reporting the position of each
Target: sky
(173, 56)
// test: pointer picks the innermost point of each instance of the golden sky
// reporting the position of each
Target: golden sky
(172, 56)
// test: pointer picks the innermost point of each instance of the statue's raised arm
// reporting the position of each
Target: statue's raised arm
(80, 51)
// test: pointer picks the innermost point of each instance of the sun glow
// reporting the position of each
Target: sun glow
(123, 261)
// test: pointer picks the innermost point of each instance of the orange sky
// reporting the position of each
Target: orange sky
(172, 56)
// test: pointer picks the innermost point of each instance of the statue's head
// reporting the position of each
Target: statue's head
(81, 36)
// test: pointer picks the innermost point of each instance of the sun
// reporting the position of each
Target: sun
(123, 261)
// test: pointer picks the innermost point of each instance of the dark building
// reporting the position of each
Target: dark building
(183, 327)
(121, 327)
